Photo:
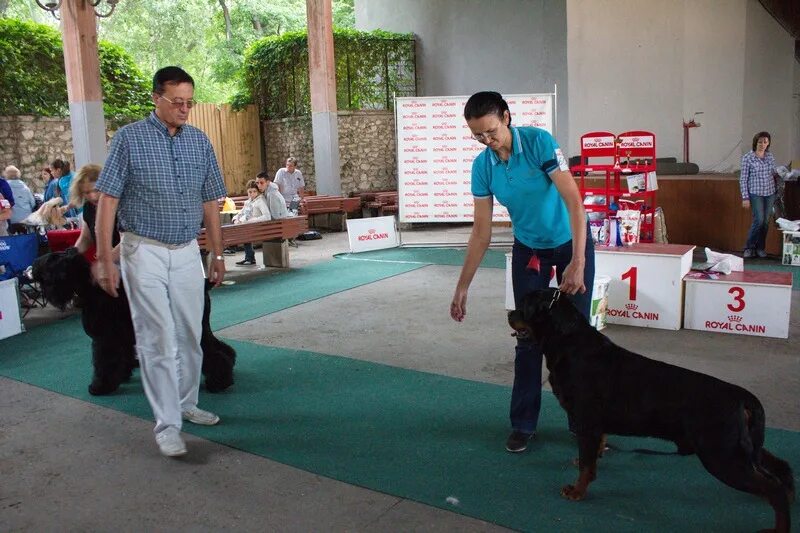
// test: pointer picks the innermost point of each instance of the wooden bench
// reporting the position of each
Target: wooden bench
(272, 233)
(335, 209)
(384, 203)
(322, 204)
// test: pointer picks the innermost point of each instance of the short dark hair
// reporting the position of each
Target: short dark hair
(170, 76)
(61, 165)
(758, 136)
(486, 103)
(263, 174)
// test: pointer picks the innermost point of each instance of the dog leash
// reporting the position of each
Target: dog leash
(556, 296)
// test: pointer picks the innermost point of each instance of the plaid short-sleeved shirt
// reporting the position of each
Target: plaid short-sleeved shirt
(756, 176)
(161, 181)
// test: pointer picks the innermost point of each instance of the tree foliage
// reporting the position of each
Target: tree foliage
(371, 67)
(34, 81)
(193, 34)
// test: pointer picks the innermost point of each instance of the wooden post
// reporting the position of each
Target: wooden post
(322, 74)
(82, 66)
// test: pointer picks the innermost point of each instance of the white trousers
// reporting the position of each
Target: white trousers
(164, 285)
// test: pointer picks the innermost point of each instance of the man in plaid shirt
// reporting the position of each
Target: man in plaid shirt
(161, 181)
(757, 185)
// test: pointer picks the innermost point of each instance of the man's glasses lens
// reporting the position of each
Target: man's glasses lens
(180, 103)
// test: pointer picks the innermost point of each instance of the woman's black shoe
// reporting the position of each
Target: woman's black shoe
(246, 262)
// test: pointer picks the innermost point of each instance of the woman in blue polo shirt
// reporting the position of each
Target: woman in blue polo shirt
(523, 168)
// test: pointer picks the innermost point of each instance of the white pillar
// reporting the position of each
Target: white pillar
(322, 74)
(82, 66)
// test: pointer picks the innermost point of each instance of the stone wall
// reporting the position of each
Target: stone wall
(31, 143)
(366, 147)
(367, 159)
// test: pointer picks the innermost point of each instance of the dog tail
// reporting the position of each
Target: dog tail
(780, 469)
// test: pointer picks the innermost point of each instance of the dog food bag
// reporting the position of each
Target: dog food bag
(599, 229)
(629, 223)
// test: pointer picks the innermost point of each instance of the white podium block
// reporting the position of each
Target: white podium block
(646, 283)
(741, 303)
(10, 320)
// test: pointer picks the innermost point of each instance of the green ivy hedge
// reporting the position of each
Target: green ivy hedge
(371, 67)
(33, 81)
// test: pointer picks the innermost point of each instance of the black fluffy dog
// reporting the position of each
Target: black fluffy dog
(64, 276)
(607, 389)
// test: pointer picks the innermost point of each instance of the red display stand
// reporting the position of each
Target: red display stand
(633, 152)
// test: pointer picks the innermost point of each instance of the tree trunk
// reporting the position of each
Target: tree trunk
(257, 25)
(227, 15)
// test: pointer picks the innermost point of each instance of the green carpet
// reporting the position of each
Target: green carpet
(419, 436)
(233, 304)
(426, 256)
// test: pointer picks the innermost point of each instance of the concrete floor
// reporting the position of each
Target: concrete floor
(69, 465)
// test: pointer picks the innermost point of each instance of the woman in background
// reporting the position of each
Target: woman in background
(757, 185)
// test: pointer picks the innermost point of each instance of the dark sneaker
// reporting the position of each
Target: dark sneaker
(761, 253)
(246, 262)
(748, 254)
(518, 441)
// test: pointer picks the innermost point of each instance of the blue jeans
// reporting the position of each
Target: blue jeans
(249, 252)
(762, 209)
(526, 396)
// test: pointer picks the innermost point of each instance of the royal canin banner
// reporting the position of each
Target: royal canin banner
(435, 150)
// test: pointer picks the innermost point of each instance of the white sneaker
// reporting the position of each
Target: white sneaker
(170, 443)
(198, 416)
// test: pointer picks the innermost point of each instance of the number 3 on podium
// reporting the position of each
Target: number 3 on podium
(738, 298)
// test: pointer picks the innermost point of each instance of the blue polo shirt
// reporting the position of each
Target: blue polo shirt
(538, 214)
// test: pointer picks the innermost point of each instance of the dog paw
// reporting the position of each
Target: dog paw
(570, 492)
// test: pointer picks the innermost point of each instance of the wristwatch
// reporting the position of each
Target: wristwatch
(219, 258)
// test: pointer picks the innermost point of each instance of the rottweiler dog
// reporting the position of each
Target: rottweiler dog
(65, 277)
(608, 389)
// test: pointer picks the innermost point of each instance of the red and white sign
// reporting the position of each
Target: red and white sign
(646, 287)
(741, 303)
(593, 143)
(373, 233)
(10, 321)
(435, 144)
(645, 141)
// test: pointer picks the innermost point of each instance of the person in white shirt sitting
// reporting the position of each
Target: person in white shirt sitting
(254, 210)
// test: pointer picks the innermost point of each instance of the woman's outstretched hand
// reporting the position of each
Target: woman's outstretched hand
(458, 307)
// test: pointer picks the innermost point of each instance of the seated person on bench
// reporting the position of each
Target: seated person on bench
(254, 210)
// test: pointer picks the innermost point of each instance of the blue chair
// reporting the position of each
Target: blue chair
(17, 253)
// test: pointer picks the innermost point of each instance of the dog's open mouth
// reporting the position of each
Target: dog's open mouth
(521, 329)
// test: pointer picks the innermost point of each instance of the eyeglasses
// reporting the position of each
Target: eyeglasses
(179, 103)
(486, 135)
